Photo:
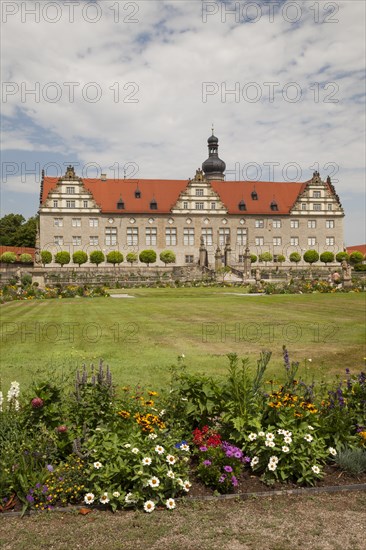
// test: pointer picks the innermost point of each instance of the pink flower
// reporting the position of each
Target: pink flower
(37, 403)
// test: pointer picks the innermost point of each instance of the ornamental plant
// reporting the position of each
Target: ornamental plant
(115, 257)
(356, 258)
(96, 257)
(147, 257)
(342, 256)
(327, 257)
(26, 259)
(79, 257)
(46, 257)
(139, 407)
(295, 257)
(8, 257)
(62, 258)
(132, 258)
(219, 466)
(167, 257)
(311, 256)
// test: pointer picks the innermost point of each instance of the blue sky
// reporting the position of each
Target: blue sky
(137, 85)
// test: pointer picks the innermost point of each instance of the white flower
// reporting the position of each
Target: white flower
(146, 461)
(149, 506)
(186, 486)
(252, 437)
(288, 439)
(273, 459)
(1, 401)
(272, 466)
(287, 433)
(104, 498)
(162, 412)
(159, 449)
(171, 459)
(285, 449)
(89, 498)
(127, 446)
(270, 436)
(152, 436)
(332, 451)
(130, 499)
(315, 469)
(14, 391)
(310, 360)
(97, 465)
(261, 434)
(116, 494)
(135, 450)
(180, 481)
(308, 437)
(254, 461)
(310, 428)
(154, 482)
(269, 443)
(281, 431)
(170, 503)
(184, 447)
(171, 474)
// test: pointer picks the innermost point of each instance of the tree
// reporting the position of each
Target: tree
(26, 259)
(253, 258)
(167, 257)
(281, 258)
(46, 257)
(342, 256)
(96, 257)
(327, 257)
(131, 258)
(15, 231)
(26, 234)
(62, 258)
(295, 257)
(114, 257)
(147, 257)
(356, 258)
(8, 257)
(265, 257)
(80, 257)
(311, 256)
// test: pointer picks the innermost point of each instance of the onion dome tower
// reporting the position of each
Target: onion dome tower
(213, 167)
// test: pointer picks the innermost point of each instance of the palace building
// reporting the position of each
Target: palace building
(206, 212)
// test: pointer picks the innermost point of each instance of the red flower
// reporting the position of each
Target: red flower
(37, 403)
(62, 429)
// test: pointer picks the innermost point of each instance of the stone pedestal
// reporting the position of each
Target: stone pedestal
(38, 276)
(218, 259)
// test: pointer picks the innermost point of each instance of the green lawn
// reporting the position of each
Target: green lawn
(142, 336)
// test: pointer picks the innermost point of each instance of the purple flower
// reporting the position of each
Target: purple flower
(238, 454)
(38, 485)
(229, 453)
(44, 489)
(228, 469)
(30, 498)
(203, 448)
(234, 481)
(247, 459)
(207, 462)
(222, 478)
(49, 467)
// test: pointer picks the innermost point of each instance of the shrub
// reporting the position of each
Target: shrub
(356, 258)
(62, 258)
(46, 257)
(167, 257)
(265, 257)
(295, 257)
(147, 257)
(79, 257)
(311, 256)
(327, 257)
(26, 259)
(8, 257)
(26, 279)
(96, 257)
(114, 257)
(131, 258)
(281, 258)
(220, 466)
(352, 461)
(253, 258)
(342, 256)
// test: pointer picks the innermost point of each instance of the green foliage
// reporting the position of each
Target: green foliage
(327, 257)
(167, 257)
(46, 257)
(131, 258)
(356, 258)
(265, 257)
(147, 257)
(281, 258)
(8, 257)
(79, 257)
(15, 231)
(96, 257)
(295, 257)
(253, 258)
(352, 461)
(311, 256)
(26, 259)
(342, 256)
(115, 257)
(62, 258)
(26, 279)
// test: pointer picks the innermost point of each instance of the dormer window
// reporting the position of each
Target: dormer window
(274, 205)
(137, 194)
(254, 195)
(153, 205)
(242, 206)
(120, 205)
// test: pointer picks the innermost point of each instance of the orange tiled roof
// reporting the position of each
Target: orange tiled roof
(360, 248)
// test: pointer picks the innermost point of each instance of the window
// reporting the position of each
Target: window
(207, 236)
(189, 259)
(120, 205)
(199, 192)
(111, 236)
(254, 195)
(70, 204)
(93, 222)
(303, 206)
(241, 258)
(259, 241)
(259, 223)
(76, 222)
(294, 241)
(199, 205)
(58, 222)
(185, 205)
(213, 206)
(316, 194)
(317, 206)
(58, 239)
(241, 236)
(329, 241)
(188, 236)
(311, 241)
(85, 204)
(330, 207)
(224, 235)
(132, 236)
(70, 190)
(137, 194)
(151, 233)
(294, 224)
(153, 205)
(242, 206)
(76, 240)
(276, 224)
(312, 224)
(55, 204)
(274, 205)
(170, 236)
(277, 241)
(329, 224)
(93, 240)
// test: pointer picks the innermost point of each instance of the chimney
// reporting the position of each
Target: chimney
(103, 177)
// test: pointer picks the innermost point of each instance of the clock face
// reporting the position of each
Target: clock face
(111, 220)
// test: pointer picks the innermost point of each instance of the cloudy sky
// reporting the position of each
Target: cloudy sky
(134, 87)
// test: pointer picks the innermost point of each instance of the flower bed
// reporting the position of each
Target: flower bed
(9, 293)
(133, 448)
